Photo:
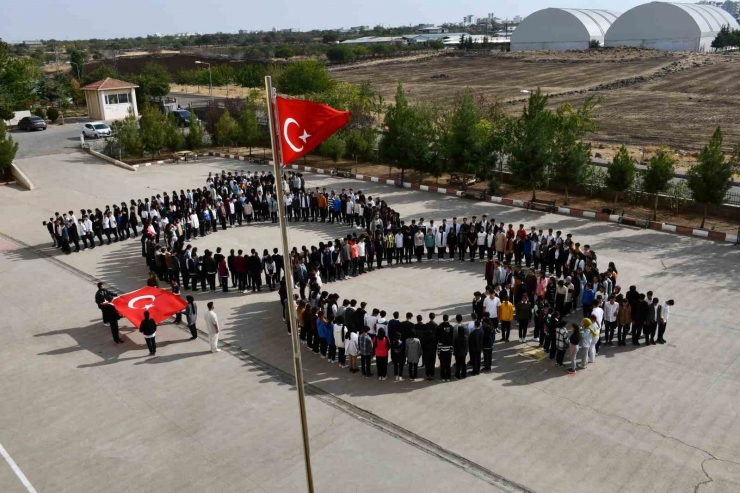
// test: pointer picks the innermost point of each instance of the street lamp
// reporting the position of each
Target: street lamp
(210, 80)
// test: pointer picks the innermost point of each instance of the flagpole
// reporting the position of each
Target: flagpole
(297, 366)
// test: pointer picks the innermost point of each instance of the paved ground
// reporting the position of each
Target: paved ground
(662, 418)
(53, 140)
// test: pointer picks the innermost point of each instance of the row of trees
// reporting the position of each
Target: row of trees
(726, 38)
(541, 146)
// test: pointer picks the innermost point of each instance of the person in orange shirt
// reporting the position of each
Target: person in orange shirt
(354, 254)
(321, 203)
(505, 316)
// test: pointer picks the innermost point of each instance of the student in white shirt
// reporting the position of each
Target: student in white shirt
(665, 310)
(611, 309)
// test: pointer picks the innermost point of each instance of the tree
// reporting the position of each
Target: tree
(40, 112)
(572, 158)
(101, 72)
(408, 134)
(19, 80)
(621, 173)
(227, 131)
(723, 38)
(77, 62)
(658, 175)
(531, 138)
(152, 129)
(172, 135)
(329, 38)
(283, 51)
(250, 76)
(361, 51)
(8, 149)
(594, 44)
(303, 77)
(711, 177)
(357, 143)
(52, 114)
(153, 81)
(462, 143)
(194, 138)
(340, 54)
(6, 112)
(333, 148)
(126, 134)
(436, 44)
(250, 131)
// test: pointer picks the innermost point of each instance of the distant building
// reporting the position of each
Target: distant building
(33, 43)
(111, 99)
(430, 30)
(733, 8)
(517, 19)
(376, 40)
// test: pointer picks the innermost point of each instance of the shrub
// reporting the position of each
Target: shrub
(493, 186)
(40, 112)
(52, 114)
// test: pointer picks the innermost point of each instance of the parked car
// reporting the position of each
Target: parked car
(95, 130)
(32, 123)
(182, 117)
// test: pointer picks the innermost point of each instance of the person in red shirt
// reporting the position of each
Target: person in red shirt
(382, 346)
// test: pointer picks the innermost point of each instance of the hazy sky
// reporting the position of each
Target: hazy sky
(78, 19)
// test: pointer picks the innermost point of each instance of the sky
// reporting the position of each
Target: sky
(103, 19)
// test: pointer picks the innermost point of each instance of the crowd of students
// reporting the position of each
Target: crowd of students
(531, 277)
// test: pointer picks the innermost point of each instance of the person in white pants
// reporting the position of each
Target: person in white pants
(212, 327)
(596, 331)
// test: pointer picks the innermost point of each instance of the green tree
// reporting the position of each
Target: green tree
(227, 130)
(620, 173)
(6, 112)
(8, 149)
(77, 62)
(658, 175)
(333, 148)
(462, 143)
(40, 112)
(408, 134)
(152, 129)
(531, 138)
(357, 144)
(250, 76)
(125, 133)
(436, 44)
(19, 80)
(250, 130)
(153, 81)
(102, 71)
(52, 114)
(572, 158)
(723, 38)
(194, 138)
(711, 177)
(361, 51)
(172, 136)
(303, 77)
(340, 54)
(283, 51)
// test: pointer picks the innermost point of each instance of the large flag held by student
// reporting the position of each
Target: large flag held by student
(160, 304)
(304, 125)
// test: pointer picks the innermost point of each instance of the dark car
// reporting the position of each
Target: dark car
(182, 117)
(32, 123)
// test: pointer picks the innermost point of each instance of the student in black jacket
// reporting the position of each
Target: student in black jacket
(102, 295)
(639, 316)
(112, 315)
(148, 327)
(475, 345)
(445, 338)
(429, 347)
(461, 351)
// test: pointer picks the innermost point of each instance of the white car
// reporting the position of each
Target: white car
(95, 130)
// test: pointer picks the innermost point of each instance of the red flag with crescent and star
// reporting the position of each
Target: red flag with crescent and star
(160, 304)
(304, 125)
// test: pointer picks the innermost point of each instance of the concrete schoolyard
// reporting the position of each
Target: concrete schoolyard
(78, 413)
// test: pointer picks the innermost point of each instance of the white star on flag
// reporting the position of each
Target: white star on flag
(305, 136)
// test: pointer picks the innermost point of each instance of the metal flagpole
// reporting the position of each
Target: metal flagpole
(275, 141)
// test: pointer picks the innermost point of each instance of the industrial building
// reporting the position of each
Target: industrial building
(670, 26)
(562, 29)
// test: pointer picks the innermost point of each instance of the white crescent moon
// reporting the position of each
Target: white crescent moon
(288, 121)
(134, 300)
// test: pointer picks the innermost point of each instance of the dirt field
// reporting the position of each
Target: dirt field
(499, 78)
(651, 98)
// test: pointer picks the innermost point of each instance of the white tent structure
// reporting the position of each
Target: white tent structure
(670, 26)
(562, 29)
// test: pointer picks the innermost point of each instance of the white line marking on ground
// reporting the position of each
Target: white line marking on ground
(17, 470)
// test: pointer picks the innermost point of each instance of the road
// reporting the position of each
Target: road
(54, 140)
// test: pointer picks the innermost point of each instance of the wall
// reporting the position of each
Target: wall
(93, 105)
(116, 111)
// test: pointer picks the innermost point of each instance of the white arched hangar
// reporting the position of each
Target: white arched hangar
(669, 26)
(562, 29)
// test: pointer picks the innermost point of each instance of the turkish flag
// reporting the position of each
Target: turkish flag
(161, 304)
(304, 125)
